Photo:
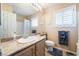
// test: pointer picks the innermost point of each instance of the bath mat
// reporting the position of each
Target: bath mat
(56, 52)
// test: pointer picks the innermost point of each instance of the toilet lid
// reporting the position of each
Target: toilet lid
(50, 42)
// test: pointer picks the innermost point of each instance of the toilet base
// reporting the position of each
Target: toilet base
(50, 48)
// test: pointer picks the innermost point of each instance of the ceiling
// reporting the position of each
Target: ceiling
(28, 9)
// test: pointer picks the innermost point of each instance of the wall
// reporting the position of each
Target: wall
(6, 7)
(20, 17)
(53, 31)
(48, 20)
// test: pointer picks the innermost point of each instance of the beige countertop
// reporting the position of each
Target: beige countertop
(12, 47)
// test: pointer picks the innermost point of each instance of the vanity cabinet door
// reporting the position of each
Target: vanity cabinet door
(40, 48)
(37, 49)
(30, 51)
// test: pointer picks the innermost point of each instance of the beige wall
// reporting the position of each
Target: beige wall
(6, 7)
(20, 18)
(53, 31)
(48, 20)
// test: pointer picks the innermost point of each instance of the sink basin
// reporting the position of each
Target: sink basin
(28, 39)
(22, 40)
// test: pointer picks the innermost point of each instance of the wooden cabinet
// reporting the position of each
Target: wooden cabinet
(40, 48)
(37, 49)
(30, 51)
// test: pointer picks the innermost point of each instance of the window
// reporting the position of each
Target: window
(66, 18)
(59, 20)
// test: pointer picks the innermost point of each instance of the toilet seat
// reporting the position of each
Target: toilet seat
(49, 43)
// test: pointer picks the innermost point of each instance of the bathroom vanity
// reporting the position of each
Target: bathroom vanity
(33, 48)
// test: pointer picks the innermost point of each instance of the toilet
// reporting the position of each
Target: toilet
(50, 44)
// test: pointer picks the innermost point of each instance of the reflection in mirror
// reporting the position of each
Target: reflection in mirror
(10, 26)
(15, 25)
(34, 24)
(23, 28)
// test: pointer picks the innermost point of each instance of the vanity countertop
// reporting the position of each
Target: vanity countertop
(11, 47)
